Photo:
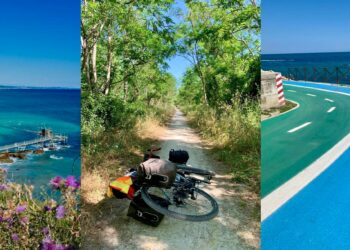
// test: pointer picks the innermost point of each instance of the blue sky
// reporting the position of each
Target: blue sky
(178, 64)
(300, 26)
(40, 43)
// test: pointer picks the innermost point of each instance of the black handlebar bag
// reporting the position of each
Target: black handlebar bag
(178, 156)
(157, 172)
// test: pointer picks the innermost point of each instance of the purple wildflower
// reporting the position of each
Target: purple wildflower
(49, 244)
(47, 208)
(56, 182)
(24, 220)
(72, 182)
(4, 170)
(3, 187)
(20, 209)
(10, 222)
(15, 237)
(60, 212)
(46, 231)
(62, 247)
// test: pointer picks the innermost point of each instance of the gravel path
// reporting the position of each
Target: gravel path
(231, 229)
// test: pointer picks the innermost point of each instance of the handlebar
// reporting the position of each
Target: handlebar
(198, 171)
(201, 179)
(154, 149)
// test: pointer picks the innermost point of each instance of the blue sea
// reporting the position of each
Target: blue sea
(23, 111)
(317, 67)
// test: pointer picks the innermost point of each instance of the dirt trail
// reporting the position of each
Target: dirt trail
(231, 229)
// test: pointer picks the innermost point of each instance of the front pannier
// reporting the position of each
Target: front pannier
(157, 172)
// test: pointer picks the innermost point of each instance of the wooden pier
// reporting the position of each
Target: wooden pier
(46, 137)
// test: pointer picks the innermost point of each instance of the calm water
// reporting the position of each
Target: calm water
(309, 61)
(23, 112)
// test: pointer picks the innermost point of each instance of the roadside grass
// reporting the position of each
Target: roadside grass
(108, 155)
(234, 132)
(278, 110)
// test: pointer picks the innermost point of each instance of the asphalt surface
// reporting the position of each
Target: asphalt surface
(317, 217)
(294, 140)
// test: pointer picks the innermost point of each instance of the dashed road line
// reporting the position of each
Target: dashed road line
(331, 110)
(311, 95)
(328, 100)
(299, 127)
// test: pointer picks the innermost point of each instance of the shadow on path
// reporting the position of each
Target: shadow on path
(233, 228)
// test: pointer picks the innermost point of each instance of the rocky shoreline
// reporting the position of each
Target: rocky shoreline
(9, 157)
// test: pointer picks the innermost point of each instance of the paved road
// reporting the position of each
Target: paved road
(317, 217)
(292, 141)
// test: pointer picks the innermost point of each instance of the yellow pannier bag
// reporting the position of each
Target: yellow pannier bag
(121, 187)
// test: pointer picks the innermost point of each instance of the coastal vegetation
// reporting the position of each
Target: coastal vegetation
(27, 223)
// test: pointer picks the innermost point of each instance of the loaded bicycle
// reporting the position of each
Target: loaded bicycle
(170, 188)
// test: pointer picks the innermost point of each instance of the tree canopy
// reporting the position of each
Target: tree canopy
(126, 44)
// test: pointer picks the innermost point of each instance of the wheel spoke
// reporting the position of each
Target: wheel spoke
(197, 207)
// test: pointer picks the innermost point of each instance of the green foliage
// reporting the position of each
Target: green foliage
(125, 46)
(219, 92)
(221, 40)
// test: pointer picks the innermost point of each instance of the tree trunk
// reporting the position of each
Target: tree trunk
(93, 64)
(109, 65)
(126, 86)
(204, 85)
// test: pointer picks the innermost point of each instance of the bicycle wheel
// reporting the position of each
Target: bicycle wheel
(203, 208)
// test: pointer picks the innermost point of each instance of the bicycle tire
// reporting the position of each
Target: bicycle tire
(197, 218)
(195, 170)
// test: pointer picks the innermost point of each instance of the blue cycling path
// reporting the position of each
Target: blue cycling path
(318, 217)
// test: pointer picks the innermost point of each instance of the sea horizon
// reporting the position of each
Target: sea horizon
(297, 53)
(6, 86)
(330, 67)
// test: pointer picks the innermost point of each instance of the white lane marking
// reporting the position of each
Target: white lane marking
(324, 90)
(328, 100)
(291, 90)
(299, 127)
(286, 191)
(331, 110)
(311, 95)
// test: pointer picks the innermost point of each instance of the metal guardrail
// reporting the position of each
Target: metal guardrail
(339, 75)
